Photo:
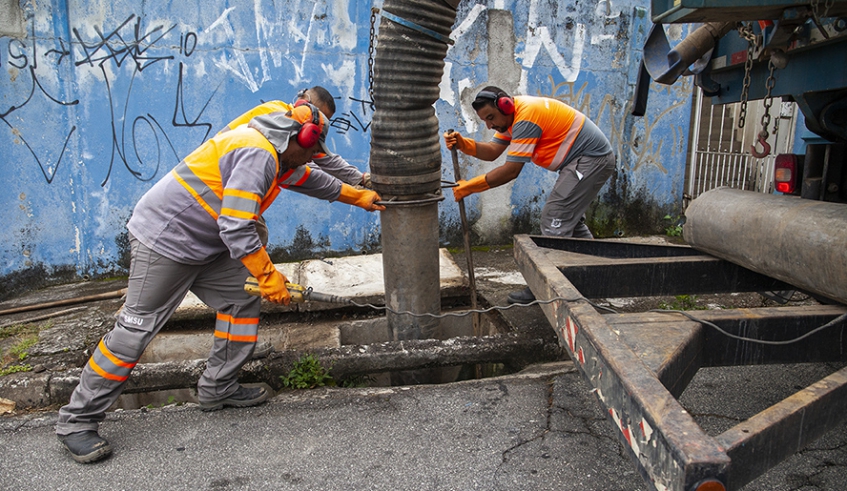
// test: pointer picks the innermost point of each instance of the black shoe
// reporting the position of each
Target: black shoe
(243, 397)
(524, 296)
(86, 446)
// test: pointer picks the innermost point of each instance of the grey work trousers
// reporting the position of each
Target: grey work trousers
(156, 287)
(579, 182)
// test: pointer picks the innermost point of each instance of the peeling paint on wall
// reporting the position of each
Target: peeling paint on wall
(99, 99)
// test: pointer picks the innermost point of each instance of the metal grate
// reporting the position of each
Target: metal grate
(720, 151)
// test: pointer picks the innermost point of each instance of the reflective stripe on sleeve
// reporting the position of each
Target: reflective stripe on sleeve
(522, 149)
(240, 204)
(295, 177)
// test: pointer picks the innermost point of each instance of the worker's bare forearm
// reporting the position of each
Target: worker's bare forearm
(505, 173)
(489, 151)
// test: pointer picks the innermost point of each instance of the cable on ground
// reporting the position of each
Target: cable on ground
(833, 322)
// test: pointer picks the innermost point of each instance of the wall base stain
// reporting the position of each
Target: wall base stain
(35, 277)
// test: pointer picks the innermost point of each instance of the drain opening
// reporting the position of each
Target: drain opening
(318, 331)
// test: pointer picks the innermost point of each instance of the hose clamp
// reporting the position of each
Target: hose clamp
(421, 29)
(432, 198)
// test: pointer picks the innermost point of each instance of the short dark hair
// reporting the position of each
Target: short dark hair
(323, 98)
(484, 97)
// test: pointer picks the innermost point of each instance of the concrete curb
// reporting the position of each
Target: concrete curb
(516, 350)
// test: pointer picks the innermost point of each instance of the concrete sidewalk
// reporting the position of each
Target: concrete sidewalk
(176, 356)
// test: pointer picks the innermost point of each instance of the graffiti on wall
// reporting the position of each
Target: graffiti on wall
(141, 48)
(641, 149)
(143, 140)
(23, 56)
(128, 91)
(639, 143)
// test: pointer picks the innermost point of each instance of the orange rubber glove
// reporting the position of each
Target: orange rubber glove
(466, 145)
(271, 282)
(363, 198)
(475, 185)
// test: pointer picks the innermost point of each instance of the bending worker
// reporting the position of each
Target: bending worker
(313, 181)
(550, 134)
(195, 230)
(332, 164)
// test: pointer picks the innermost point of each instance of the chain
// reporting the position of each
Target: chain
(768, 102)
(371, 47)
(465, 313)
(745, 30)
(834, 322)
(816, 5)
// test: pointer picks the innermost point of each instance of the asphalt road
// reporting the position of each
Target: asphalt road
(538, 430)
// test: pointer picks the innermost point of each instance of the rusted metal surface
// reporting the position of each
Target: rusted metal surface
(672, 451)
(639, 363)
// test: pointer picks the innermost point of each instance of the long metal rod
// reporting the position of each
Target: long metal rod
(67, 301)
(457, 175)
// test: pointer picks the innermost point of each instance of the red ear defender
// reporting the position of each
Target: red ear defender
(506, 105)
(310, 132)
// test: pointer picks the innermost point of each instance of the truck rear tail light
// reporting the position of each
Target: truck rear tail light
(785, 173)
(709, 485)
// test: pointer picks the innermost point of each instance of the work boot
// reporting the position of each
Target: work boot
(524, 296)
(243, 397)
(86, 446)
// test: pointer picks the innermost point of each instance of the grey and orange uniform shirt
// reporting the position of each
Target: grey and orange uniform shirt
(333, 164)
(550, 134)
(209, 202)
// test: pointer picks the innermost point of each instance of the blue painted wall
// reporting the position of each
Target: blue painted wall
(99, 99)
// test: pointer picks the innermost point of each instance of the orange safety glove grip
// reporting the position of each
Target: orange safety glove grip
(271, 282)
(363, 198)
(465, 188)
(466, 145)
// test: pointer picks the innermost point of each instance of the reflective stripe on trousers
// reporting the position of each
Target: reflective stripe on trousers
(156, 287)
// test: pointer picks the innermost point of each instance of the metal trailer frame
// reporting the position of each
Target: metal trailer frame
(639, 364)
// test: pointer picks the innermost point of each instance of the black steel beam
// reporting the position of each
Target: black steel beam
(672, 452)
(674, 347)
(785, 428)
(775, 324)
(666, 276)
(639, 363)
(603, 269)
(612, 248)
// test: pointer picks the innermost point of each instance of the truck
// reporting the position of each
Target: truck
(788, 240)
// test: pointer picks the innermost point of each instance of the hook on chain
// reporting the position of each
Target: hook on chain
(766, 148)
